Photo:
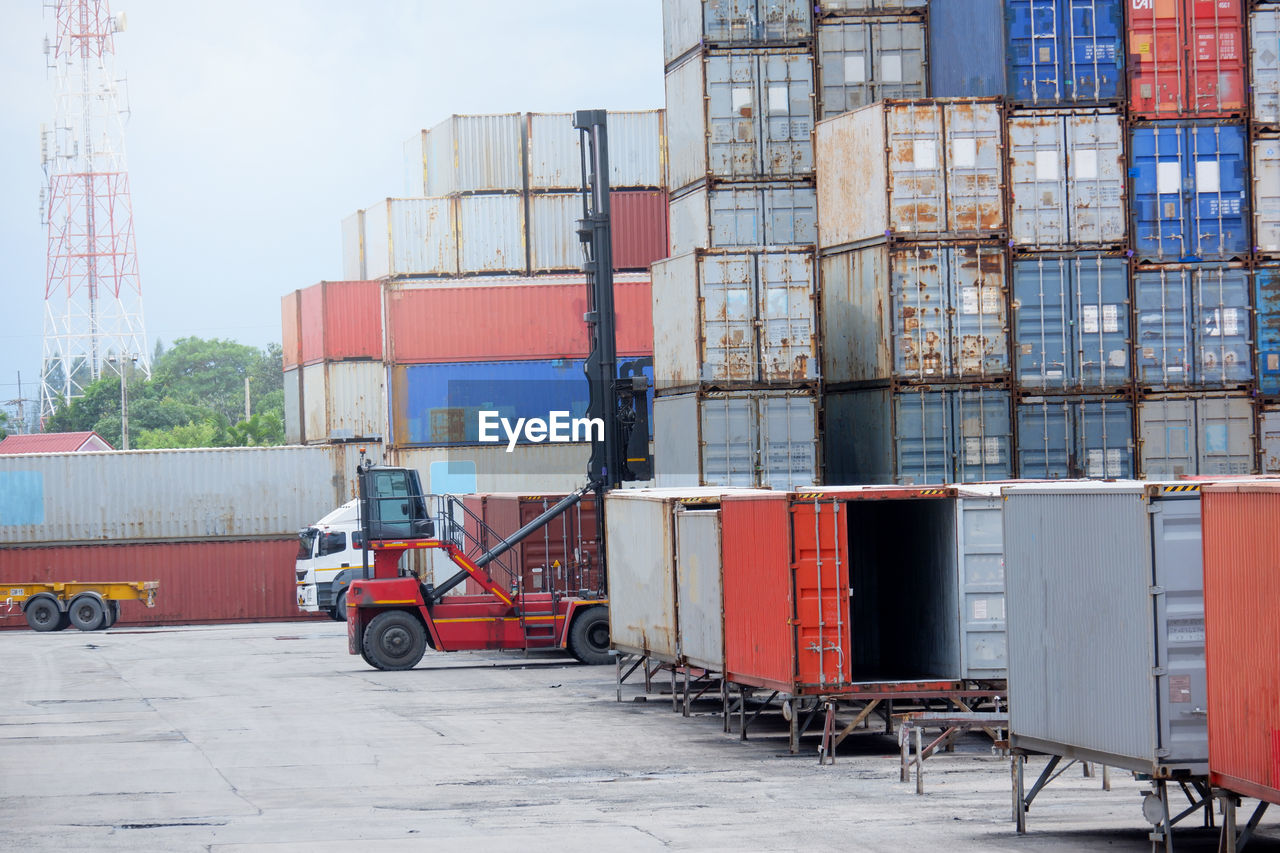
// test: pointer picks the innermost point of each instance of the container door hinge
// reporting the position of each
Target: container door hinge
(1153, 508)
(1155, 590)
(1163, 752)
(1158, 671)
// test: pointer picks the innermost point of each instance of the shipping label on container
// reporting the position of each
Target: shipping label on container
(1186, 59)
(866, 59)
(1193, 327)
(1065, 52)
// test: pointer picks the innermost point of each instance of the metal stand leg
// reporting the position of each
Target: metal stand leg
(724, 701)
(827, 751)
(919, 762)
(1088, 769)
(1106, 778)
(904, 772)
(742, 712)
(686, 691)
(1019, 800)
(1227, 840)
(793, 741)
(675, 696)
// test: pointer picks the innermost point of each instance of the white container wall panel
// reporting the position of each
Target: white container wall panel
(293, 414)
(734, 320)
(1269, 438)
(640, 542)
(530, 469)
(727, 217)
(744, 116)
(688, 24)
(159, 495)
(911, 170)
(1266, 195)
(491, 234)
(1081, 563)
(410, 236)
(1201, 434)
(343, 400)
(353, 265)
(415, 164)
(553, 237)
(1067, 178)
(635, 150)
(475, 153)
(866, 59)
(700, 588)
(1264, 43)
(748, 439)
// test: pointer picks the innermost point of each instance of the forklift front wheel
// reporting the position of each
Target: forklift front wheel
(394, 640)
(589, 636)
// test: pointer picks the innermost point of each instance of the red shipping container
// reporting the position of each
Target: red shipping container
(290, 323)
(639, 219)
(1187, 58)
(1241, 536)
(510, 322)
(341, 320)
(570, 540)
(200, 582)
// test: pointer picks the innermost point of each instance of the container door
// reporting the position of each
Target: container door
(787, 441)
(917, 195)
(1267, 295)
(1160, 167)
(983, 430)
(728, 318)
(1100, 291)
(1264, 23)
(789, 215)
(1269, 424)
(820, 536)
(728, 440)
(1218, 227)
(1157, 69)
(975, 167)
(1044, 438)
(1168, 433)
(922, 437)
(981, 549)
(732, 107)
(1224, 345)
(977, 291)
(735, 217)
(1215, 37)
(1041, 306)
(1266, 193)
(786, 116)
(1103, 438)
(1035, 67)
(1096, 173)
(1225, 431)
(1093, 49)
(788, 338)
(700, 586)
(1037, 171)
(1164, 327)
(919, 301)
(1179, 611)
(846, 64)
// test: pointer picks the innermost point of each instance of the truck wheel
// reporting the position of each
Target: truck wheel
(43, 614)
(113, 614)
(589, 636)
(87, 612)
(339, 611)
(394, 639)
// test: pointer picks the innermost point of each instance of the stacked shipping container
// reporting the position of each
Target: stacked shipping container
(1264, 142)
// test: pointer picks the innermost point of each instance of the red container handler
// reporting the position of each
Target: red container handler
(1241, 535)
(564, 556)
(1187, 58)
(341, 320)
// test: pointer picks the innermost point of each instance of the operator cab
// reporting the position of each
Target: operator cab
(394, 506)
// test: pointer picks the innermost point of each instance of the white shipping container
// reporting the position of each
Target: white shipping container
(1196, 434)
(734, 216)
(553, 237)
(353, 256)
(529, 469)
(410, 236)
(911, 169)
(1264, 50)
(475, 153)
(293, 416)
(734, 319)
(635, 150)
(688, 24)
(700, 587)
(1266, 195)
(640, 552)
(491, 234)
(166, 495)
(415, 164)
(344, 400)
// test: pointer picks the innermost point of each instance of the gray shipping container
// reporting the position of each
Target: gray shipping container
(866, 59)
(689, 24)
(1264, 65)
(1195, 434)
(918, 435)
(737, 216)
(862, 7)
(748, 439)
(734, 320)
(1194, 326)
(918, 311)
(343, 400)
(293, 416)
(474, 153)
(1062, 438)
(1066, 179)
(1106, 624)
(1266, 195)
(745, 116)
(700, 587)
(1269, 437)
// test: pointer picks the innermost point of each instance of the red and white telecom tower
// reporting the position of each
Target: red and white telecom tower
(93, 296)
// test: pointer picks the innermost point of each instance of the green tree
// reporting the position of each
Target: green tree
(4, 422)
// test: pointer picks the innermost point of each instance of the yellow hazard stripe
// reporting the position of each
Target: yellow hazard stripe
(1191, 488)
(497, 619)
(396, 601)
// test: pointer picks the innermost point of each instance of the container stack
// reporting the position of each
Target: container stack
(1264, 69)
(735, 344)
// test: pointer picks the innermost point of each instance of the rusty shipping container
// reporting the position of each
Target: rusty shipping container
(735, 320)
(911, 170)
(344, 400)
(493, 319)
(1187, 59)
(563, 556)
(917, 312)
(691, 24)
(473, 153)
(341, 320)
(200, 582)
(1241, 588)
(405, 236)
(639, 230)
(733, 216)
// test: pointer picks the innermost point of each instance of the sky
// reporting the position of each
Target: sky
(256, 126)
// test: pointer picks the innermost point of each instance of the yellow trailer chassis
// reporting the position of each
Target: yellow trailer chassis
(88, 606)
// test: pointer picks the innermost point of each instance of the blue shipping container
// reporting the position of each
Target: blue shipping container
(1266, 281)
(1065, 52)
(1071, 321)
(1190, 191)
(1069, 437)
(1193, 327)
(966, 49)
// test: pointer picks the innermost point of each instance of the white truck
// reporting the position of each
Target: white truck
(330, 557)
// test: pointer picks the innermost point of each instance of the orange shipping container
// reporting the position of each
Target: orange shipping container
(1242, 635)
(290, 320)
(341, 320)
(1187, 58)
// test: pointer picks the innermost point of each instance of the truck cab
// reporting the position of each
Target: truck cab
(330, 557)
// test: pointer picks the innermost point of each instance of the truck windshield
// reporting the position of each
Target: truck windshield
(306, 543)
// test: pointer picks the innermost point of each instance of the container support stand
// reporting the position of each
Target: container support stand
(1229, 841)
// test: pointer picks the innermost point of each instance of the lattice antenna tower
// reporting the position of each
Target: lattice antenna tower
(93, 319)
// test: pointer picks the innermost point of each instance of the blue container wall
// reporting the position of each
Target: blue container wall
(1065, 52)
(966, 48)
(960, 435)
(1190, 192)
(1193, 327)
(1266, 282)
(1071, 321)
(1068, 437)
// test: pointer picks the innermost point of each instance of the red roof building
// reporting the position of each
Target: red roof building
(54, 442)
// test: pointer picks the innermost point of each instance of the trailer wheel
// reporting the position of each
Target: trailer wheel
(394, 640)
(43, 614)
(339, 611)
(113, 614)
(589, 636)
(87, 612)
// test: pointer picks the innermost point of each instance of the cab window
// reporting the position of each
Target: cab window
(306, 543)
(332, 543)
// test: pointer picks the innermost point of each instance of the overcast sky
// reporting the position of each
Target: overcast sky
(257, 125)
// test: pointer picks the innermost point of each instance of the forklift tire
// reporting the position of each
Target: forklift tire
(394, 640)
(339, 611)
(43, 614)
(87, 612)
(589, 636)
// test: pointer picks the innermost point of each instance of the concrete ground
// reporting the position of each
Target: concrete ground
(270, 737)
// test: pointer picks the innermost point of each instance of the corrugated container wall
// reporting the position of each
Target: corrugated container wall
(200, 582)
(496, 319)
(1264, 65)
(1266, 281)
(700, 587)
(1186, 59)
(410, 236)
(1269, 437)
(147, 495)
(639, 229)
(1092, 554)
(1241, 587)
(562, 556)
(529, 469)
(341, 320)
(1067, 179)
(967, 49)
(920, 312)
(867, 59)
(1065, 52)
(919, 435)
(491, 234)
(736, 216)
(862, 7)
(344, 400)
(1266, 197)
(554, 150)
(1193, 326)
(353, 249)
(1195, 434)
(912, 170)
(1071, 437)
(689, 24)
(291, 329)
(293, 414)
(474, 153)
(735, 320)
(744, 116)
(640, 551)
(1190, 192)
(748, 439)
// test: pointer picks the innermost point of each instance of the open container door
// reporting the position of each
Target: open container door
(820, 583)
